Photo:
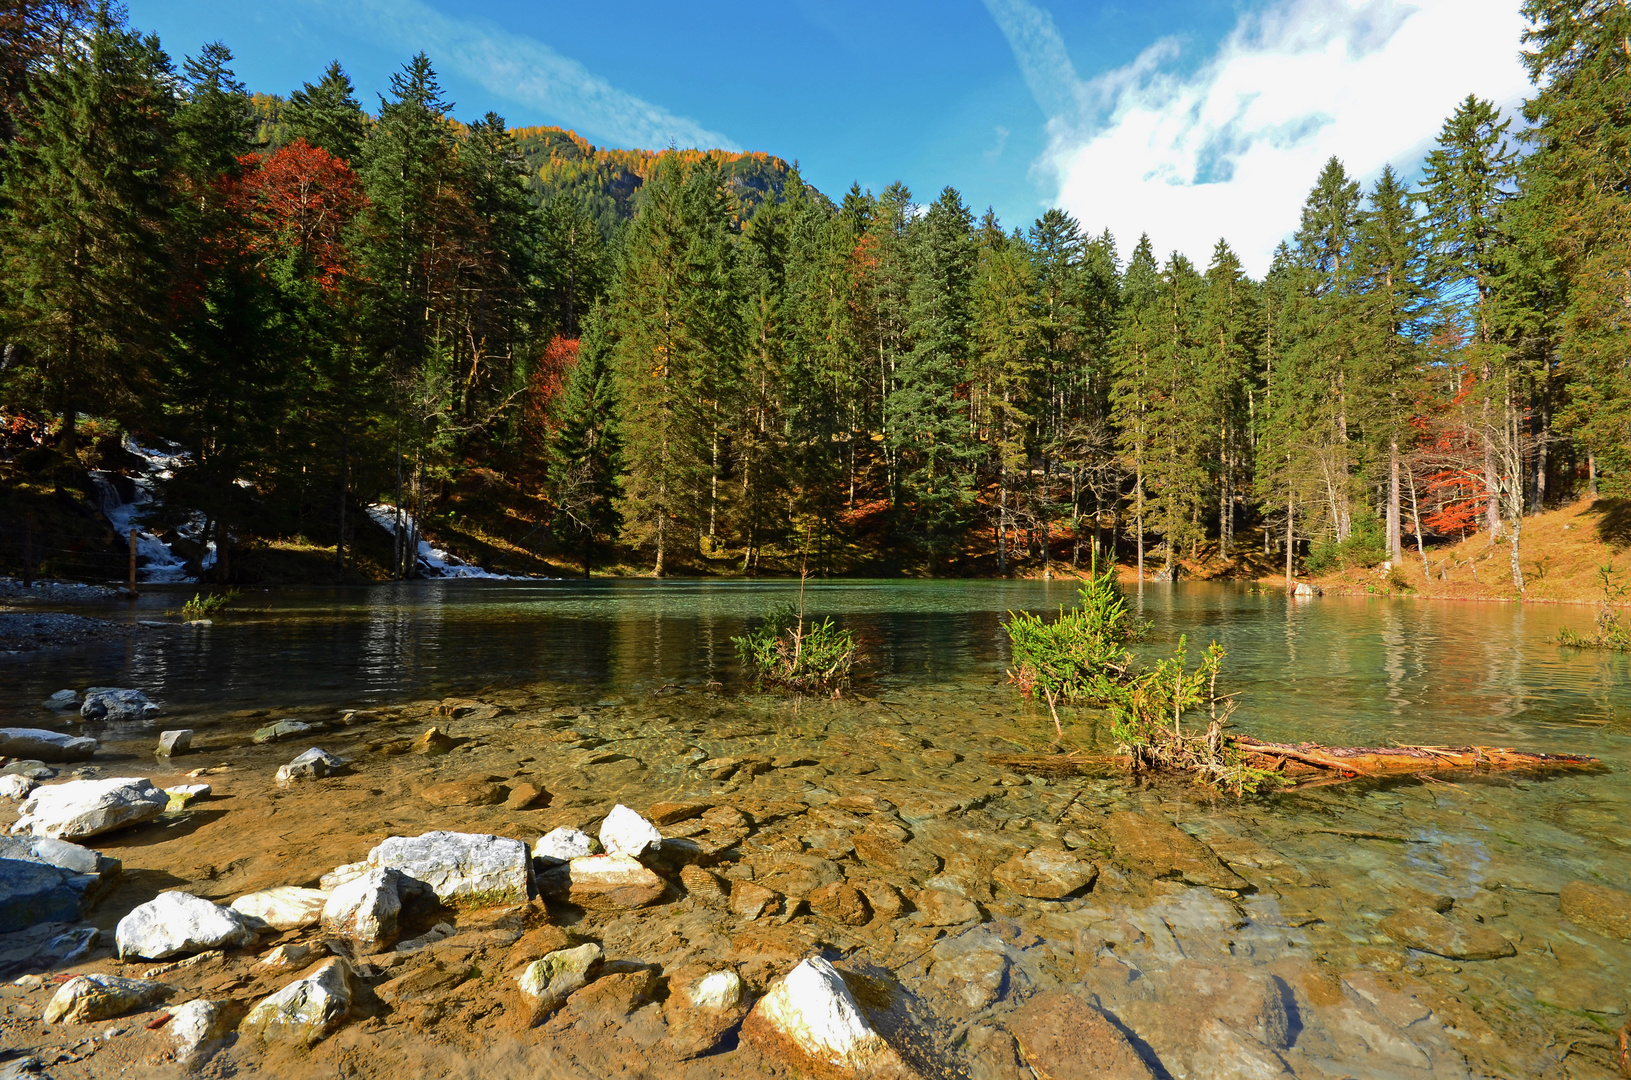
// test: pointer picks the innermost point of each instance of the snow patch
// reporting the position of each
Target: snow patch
(433, 561)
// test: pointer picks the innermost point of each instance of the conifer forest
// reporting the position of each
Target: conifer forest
(679, 361)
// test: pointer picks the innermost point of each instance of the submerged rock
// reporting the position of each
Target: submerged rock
(625, 832)
(62, 701)
(1598, 907)
(198, 1028)
(89, 807)
(493, 869)
(703, 1004)
(282, 729)
(895, 856)
(793, 874)
(1061, 1037)
(365, 909)
(173, 923)
(122, 706)
(433, 741)
(174, 742)
(749, 900)
(549, 981)
(1046, 874)
(1160, 849)
(305, 1012)
(43, 745)
(841, 902)
(811, 1019)
(563, 845)
(465, 793)
(294, 955)
(182, 794)
(48, 880)
(603, 883)
(705, 886)
(1427, 930)
(314, 764)
(938, 908)
(285, 907)
(87, 998)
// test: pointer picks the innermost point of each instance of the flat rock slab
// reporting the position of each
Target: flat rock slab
(465, 793)
(794, 874)
(42, 745)
(493, 869)
(285, 907)
(907, 859)
(1061, 1037)
(1046, 874)
(1160, 849)
(89, 807)
(1427, 930)
(47, 880)
(603, 883)
(282, 729)
(87, 998)
(1598, 907)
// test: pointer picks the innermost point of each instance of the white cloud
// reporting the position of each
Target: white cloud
(1232, 148)
(527, 72)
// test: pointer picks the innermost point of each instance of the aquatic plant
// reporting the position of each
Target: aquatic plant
(1612, 633)
(789, 651)
(202, 607)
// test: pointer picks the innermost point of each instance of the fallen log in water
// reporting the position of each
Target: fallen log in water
(1310, 765)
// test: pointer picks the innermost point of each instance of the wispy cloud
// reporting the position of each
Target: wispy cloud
(1231, 149)
(525, 71)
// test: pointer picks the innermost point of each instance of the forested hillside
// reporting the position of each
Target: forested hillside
(693, 361)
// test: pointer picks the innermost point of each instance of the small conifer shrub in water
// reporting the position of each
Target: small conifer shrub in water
(798, 654)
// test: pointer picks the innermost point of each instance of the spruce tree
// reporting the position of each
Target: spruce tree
(1134, 384)
(585, 456)
(1009, 352)
(327, 115)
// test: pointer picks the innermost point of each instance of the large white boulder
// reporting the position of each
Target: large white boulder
(285, 907)
(812, 1019)
(39, 744)
(306, 1011)
(547, 982)
(494, 869)
(198, 1028)
(365, 909)
(563, 845)
(111, 703)
(173, 923)
(625, 832)
(88, 807)
(87, 998)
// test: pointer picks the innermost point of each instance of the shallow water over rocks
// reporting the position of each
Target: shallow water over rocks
(1333, 932)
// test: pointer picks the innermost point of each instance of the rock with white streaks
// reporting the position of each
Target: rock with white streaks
(285, 907)
(174, 923)
(199, 1028)
(111, 703)
(811, 1019)
(87, 998)
(88, 807)
(493, 869)
(305, 1012)
(365, 909)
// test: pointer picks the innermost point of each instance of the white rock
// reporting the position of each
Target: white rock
(40, 744)
(173, 923)
(15, 788)
(87, 998)
(812, 1011)
(182, 794)
(178, 741)
(289, 956)
(314, 764)
(306, 1011)
(365, 909)
(62, 701)
(547, 982)
(563, 845)
(198, 1028)
(111, 703)
(625, 832)
(285, 907)
(88, 807)
(342, 874)
(716, 992)
(495, 869)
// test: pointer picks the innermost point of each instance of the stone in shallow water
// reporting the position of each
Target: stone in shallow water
(1427, 930)
(465, 793)
(62, 701)
(603, 883)
(86, 998)
(549, 981)
(89, 807)
(314, 764)
(174, 923)
(1599, 908)
(433, 741)
(1063, 1038)
(1045, 874)
(704, 1003)
(285, 907)
(306, 1011)
(749, 900)
(493, 869)
(625, 832)
(793, 874)
(936, 908)
(1160, 849)
(906, 859)
(841, 902)
(182, 794)
(282, 729)
(15, 788)
(563, 845)
(667, 813)
(178, 741)
(42, 745)
(811, 1019)
(704, 886)
(122, 706)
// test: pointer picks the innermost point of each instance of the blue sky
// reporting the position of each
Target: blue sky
(1186, 118)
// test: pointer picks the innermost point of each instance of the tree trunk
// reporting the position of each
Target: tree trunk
(1591, 475)
(1291, 542)
(1394, 547)
(1138, 488)
(1415, 515)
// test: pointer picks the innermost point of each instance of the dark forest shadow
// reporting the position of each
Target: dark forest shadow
(1613, 521)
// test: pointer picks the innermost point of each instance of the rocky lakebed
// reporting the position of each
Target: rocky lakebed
(536, 882)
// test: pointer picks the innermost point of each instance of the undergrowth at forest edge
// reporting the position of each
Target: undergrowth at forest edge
(1611, 633)
(1082, 658)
